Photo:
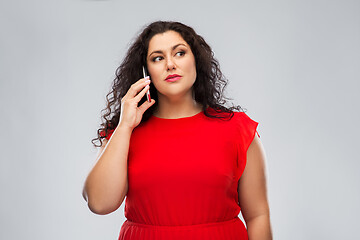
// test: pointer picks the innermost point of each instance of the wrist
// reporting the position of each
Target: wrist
(124, 128)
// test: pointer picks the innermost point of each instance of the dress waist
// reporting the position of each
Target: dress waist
(230, 229)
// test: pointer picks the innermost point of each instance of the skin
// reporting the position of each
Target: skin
(174, 98)
(253, 193)
(175, 101)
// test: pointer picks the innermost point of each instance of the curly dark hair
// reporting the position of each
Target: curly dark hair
(208, 87)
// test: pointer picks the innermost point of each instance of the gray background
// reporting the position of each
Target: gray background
(294, 65)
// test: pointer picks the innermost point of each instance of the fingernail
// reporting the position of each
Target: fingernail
(147, 81)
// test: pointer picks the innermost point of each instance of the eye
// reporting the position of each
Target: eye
(155, 59)
(181, 53)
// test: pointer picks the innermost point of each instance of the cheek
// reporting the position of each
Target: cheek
(154, 72)
(191, 67)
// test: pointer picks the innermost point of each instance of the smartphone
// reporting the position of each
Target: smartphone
(148, 91)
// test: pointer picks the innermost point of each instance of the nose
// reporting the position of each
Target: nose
(170, 64)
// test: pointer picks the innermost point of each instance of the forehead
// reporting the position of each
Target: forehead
(166, 40)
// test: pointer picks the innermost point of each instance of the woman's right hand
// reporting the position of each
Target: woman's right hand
(131, 114)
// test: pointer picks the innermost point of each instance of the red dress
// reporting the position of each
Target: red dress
(183, 178)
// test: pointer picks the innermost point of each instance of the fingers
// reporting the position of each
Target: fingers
(129, 103)
(142, 93)
(135, 88)
(146, 105)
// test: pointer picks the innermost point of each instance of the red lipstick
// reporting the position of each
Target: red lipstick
(172, 78)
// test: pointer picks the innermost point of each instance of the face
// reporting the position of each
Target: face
(169, 54)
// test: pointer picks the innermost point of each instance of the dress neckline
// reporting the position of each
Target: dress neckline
(197, 115)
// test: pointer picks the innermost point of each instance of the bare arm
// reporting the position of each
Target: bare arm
(253, 193)
(107, 183)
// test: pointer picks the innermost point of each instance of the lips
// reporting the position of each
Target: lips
(172, 76)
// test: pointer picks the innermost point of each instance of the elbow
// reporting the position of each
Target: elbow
(103, 209)
(95, 208)
(98, 209)
(102, 205)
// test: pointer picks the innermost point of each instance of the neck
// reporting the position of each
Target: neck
(177, 109)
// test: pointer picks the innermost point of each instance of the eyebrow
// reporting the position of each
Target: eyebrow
(175, 46)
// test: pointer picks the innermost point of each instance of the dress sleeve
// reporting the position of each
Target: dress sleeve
(110, 132)
(246, 129)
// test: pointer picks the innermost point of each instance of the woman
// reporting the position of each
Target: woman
(178, 159)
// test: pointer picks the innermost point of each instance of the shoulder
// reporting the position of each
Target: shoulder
(244, 119)
(239, 120)
(246, 127)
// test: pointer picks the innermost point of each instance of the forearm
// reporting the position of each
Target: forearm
(259, 228)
